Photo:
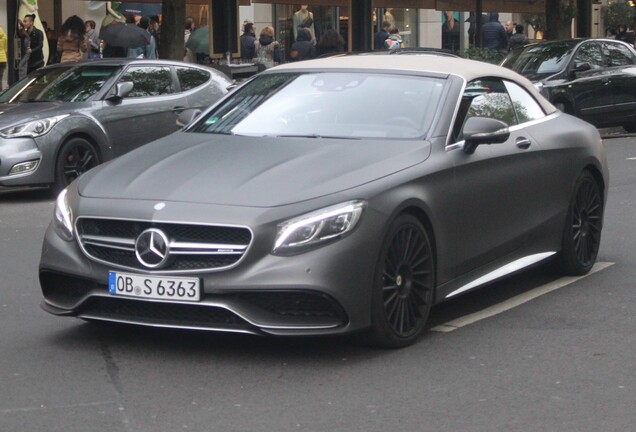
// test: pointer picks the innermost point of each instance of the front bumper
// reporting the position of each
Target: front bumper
(322, 291)
(16, 151)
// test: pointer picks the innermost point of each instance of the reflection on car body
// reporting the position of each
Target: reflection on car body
(303, 204)
(62, 120)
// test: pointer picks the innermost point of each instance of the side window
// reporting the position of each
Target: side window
(618, 55)
(149, 81)
(525, 106)
(589, 53)
(190, 78)
(485, 97)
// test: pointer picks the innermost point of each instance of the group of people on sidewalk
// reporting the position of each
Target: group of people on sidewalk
(266, 50)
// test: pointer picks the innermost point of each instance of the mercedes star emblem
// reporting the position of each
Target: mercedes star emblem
(151, 248)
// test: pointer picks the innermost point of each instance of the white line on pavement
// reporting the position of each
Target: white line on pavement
(515, 301)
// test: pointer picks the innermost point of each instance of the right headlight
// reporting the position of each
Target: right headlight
(63, 219)
(319, 226)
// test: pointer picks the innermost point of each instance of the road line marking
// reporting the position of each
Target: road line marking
(47, 407)
(634, 158)
(515, 301)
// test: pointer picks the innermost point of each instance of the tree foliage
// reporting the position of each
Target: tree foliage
(618, 12)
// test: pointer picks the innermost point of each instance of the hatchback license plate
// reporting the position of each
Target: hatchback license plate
(154, 287)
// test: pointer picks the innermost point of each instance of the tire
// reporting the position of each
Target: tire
(76, 156)
(403, 285)
(582, 231)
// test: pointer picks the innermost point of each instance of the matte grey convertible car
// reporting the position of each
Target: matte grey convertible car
(62, 120)
(331, 196)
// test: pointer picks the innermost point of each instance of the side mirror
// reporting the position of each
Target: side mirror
(483, 130)
(186, 116)
(579, 67)
(122, 89)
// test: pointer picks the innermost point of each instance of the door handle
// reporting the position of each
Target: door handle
(178, 109)
(523, 143)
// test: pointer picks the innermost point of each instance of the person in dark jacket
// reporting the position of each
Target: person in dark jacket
(36, 44)
(303, 48)
(518, 39)
(330, 43)
(382, 35)
(247, 41)
(493, 34)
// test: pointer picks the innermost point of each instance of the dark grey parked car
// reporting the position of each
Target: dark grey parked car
(594, 79)
(64, 119)
(331, 196)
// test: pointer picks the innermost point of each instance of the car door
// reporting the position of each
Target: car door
(621, 103)
(148, 112)
(498, 188)
(589, 81)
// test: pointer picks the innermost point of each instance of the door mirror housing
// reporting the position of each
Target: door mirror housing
(579, 67)
(483, 130)
(122, 89)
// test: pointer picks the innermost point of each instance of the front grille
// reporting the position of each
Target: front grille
(192, 247)
(167, 314)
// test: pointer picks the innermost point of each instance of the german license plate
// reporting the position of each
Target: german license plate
(154, 287)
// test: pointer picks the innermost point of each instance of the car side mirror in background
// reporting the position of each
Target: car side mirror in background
(186, 116)
(122, 89)
(483, 130)
(579, 67)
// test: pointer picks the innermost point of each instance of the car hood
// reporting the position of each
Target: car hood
(21, 112)
(248, 171)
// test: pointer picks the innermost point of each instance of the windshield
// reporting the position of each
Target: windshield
(71, 84)
(329, 105)
(540, 59)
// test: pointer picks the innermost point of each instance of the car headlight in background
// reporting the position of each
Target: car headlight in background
(33, 128)
(317, 227)
(63, 217)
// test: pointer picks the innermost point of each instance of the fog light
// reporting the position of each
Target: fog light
(24, 167)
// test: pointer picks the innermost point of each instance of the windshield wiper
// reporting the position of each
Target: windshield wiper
(315, 135)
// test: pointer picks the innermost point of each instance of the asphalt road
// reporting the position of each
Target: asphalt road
(565, 361)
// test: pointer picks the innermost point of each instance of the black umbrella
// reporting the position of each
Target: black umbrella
(124, 35)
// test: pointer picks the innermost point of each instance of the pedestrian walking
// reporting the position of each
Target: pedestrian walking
(267, 49)
(71, 44)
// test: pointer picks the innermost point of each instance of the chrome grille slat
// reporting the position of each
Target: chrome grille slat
(192, 247)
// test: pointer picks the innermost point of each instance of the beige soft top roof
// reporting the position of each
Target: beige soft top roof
(440, 64)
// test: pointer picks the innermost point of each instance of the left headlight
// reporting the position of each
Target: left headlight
(33, 128)
(63, 217)
(317, 227)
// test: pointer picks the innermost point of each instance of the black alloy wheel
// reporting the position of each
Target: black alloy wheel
(76, 156)
(582, 233)
(404, 281)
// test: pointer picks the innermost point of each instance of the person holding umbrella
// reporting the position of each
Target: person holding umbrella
(119, 37)
(148, 51)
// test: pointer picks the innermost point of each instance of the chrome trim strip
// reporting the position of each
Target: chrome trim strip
(503, 271)
(203, 304)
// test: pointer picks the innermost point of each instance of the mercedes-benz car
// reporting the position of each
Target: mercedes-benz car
(62, 120)
(594, 79)
(331, 196)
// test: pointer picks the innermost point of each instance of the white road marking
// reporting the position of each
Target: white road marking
(515, 301)
(634, 158)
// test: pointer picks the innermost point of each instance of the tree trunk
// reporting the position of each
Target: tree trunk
(172, 29)
(557, 24)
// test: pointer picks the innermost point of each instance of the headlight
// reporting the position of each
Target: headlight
(317, 227)
(34, 128)
(63, 217)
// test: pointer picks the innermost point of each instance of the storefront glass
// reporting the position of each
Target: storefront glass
(319, 19)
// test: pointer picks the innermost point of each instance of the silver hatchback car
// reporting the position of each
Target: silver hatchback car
(62, 120)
